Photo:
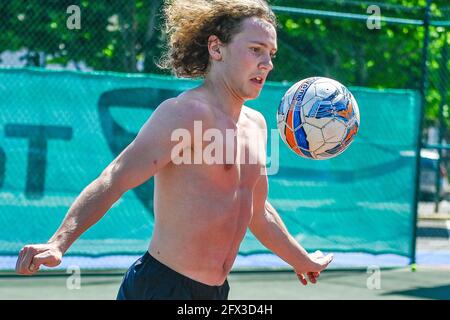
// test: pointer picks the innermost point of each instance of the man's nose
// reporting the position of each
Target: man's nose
(266, 64)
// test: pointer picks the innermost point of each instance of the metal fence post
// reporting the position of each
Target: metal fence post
(442, 126)
(423, 86)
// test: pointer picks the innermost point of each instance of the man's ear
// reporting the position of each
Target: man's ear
(215, 47)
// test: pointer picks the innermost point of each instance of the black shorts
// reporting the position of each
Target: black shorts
(149, 279)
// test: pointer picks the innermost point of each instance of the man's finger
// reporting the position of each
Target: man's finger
(311, 277)
(326, 260)
(22, 254)
(19, 260)
(32, 268)
(47, 259)
(26, 261)
(322, 263)
(302, 279)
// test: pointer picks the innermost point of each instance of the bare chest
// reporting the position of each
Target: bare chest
(224, 159)
(237, 162)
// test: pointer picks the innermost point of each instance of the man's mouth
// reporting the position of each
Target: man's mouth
(258, 80)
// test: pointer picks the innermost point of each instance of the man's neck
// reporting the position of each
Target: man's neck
(225, 99)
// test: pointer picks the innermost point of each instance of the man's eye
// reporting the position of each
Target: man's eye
(256, 50)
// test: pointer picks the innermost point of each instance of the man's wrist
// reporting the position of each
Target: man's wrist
(58, 245)
(304, 263)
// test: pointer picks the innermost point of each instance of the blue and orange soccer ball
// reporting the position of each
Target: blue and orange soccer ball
(318, 118)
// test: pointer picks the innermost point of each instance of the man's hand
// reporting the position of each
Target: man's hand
(31, 257)
(317, 263)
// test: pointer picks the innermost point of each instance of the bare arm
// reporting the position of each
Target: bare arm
(270, 230)
(139, 161)
(267, 226)
(88, 208)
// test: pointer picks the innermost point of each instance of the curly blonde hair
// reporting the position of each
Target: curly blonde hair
(189, 23)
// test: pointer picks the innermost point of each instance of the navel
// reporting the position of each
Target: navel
(227, 166)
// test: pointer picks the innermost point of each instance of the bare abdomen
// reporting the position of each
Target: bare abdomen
(201, 216)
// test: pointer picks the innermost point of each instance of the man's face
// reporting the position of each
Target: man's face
(247, 59)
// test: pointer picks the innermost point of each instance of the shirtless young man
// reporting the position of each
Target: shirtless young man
(202, 211)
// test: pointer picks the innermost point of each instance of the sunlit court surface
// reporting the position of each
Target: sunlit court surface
(225, 150)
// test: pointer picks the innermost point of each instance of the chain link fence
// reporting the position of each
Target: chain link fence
(384, 44)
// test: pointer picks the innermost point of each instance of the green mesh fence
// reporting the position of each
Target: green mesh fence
(59, 130)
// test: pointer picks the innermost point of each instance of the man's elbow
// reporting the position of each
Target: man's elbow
(258, 223)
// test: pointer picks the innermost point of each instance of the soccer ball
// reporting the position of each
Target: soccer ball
(318, 118)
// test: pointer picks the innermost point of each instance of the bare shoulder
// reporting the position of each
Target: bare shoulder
(255, 117)
(153, 147)
(182, 111)
(186, 107)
